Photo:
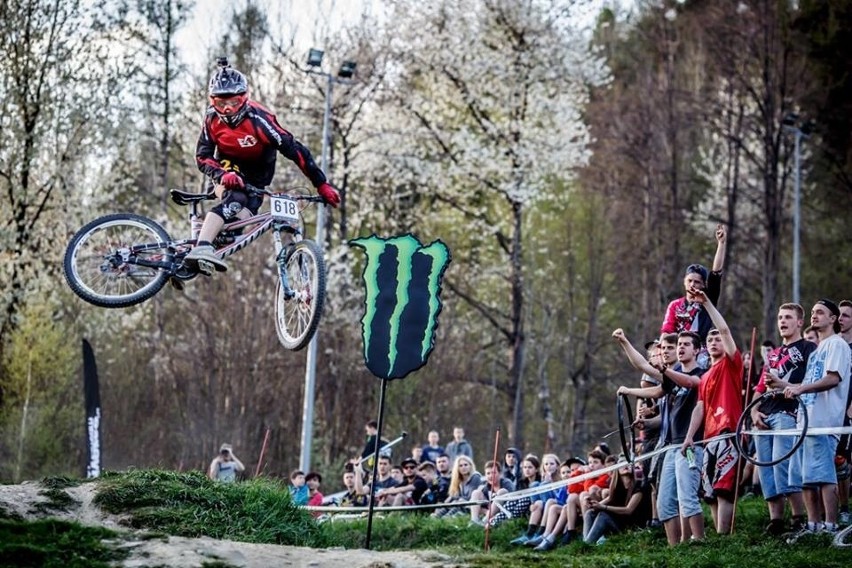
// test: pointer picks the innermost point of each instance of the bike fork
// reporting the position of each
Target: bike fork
(281, 260)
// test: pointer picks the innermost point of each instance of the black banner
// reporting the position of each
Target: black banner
(93, 412)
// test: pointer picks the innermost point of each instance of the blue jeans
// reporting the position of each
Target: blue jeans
(597, 524)
(775, 480)
(814, 461)
(677, 492)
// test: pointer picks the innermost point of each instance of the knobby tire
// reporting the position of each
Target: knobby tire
(95, 273)
(297, 319)
(745, 424)
(626, 428)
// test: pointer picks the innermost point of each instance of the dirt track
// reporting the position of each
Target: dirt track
(194, 552)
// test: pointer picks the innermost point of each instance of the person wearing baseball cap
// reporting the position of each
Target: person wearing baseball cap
(688, 314)
(402, 493)
(824, 393)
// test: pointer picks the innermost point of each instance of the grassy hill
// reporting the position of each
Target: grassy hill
(260, 511)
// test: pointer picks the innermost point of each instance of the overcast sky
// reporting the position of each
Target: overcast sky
(307, 17)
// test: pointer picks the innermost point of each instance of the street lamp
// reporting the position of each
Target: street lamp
(346, 72)
(790, 123)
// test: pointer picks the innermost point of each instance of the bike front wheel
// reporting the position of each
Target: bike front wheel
(116, 261)
(299, 308)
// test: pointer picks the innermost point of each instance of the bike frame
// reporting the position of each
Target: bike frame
(261, 223)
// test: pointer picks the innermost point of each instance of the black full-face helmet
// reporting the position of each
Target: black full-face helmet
(228, 91)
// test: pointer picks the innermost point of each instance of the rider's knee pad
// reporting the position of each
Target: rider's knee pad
(232, 203)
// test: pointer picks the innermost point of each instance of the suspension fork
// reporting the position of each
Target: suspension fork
(195, 221)
(281, 249)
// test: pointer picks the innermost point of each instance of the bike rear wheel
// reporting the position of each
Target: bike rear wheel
(297, 318)
(101, 260)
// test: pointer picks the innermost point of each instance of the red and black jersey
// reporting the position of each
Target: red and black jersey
(251, 148)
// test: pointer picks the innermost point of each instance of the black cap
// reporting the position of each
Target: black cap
(408, 461)
(832, 307)
(571, 461)
(697, 269)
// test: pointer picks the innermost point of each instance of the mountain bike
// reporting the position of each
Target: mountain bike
(124, 259)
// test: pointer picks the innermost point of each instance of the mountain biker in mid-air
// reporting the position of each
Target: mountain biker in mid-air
(238, 145)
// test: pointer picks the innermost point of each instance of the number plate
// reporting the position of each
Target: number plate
(284, 208)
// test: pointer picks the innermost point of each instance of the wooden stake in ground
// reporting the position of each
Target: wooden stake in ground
(493, 491)
(745, 403)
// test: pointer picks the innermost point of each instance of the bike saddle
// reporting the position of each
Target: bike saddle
(182, 197)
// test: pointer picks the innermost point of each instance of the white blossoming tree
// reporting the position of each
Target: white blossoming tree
(483, 112)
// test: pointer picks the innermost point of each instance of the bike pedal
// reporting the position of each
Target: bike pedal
(206, 268)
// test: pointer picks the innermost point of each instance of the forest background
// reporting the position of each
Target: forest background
(574, 156)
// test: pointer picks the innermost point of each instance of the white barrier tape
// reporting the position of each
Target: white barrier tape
(822, 431)
(544, 488)
(378, 509)
(537, 490)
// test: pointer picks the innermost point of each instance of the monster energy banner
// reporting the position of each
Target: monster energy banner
(93, 411)
(403, 286)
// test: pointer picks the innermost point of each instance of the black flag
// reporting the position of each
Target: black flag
(93, 411)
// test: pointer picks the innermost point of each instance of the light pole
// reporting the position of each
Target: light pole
(790, 124)
(346, 71)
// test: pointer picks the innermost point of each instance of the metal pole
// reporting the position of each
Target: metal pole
(379, 427)
(311, 359)
(797, 214)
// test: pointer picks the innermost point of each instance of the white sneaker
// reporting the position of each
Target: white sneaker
(845, 518)
(803, 532)
(207, 259)
(825, 528)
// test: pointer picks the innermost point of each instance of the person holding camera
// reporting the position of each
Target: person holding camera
(225, 466)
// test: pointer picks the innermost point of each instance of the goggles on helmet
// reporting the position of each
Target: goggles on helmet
(228, 103)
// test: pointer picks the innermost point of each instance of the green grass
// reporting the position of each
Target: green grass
(260, 511)
(748, 546)
(189, 504)
(55, 544)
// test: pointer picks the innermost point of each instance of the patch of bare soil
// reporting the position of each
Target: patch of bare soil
(25, 500)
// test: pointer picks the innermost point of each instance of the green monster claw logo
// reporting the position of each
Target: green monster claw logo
(403, 283)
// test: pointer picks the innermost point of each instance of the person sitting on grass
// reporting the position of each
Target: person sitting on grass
(297, 487)
(384, 480)
(494, 484)
(401, 494)
(315, 498)
(429, 488)
(352, 497)
(627, 505)
(463, 481)
(551, 509)
(512, 466)
(538, 507)
(567, 518)
(517, 508)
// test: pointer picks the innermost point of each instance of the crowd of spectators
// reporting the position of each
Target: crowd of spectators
(694, 383)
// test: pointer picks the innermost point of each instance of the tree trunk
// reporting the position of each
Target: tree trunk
(517, 338)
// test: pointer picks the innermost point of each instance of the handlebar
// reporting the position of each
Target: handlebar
(299, 197)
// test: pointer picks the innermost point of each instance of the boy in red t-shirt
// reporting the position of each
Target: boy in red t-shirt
(718, 409)
(313, 481)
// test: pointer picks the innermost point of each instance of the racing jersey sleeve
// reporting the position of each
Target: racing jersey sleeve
(205, 152)
(288, 146)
